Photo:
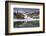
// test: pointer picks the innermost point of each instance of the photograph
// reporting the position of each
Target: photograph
(26, 17)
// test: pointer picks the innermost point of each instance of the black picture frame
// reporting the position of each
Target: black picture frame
(6, 18)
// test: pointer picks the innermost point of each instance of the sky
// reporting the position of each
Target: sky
(23, 10)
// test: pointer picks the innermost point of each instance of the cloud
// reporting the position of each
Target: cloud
(26, 10)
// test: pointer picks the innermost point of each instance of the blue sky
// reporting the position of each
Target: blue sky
(24, 10)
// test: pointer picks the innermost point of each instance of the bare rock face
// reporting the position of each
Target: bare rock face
(19, 15)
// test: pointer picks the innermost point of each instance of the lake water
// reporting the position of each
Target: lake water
(24, 24)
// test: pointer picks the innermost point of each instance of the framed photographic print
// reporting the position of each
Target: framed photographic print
(24, 17)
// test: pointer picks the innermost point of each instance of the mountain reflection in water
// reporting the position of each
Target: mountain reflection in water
(24, 24)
